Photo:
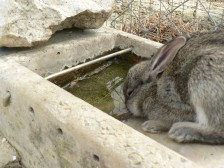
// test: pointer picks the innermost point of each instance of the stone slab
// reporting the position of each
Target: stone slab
(27, 23)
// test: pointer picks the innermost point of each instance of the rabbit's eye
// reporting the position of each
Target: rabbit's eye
(129, 92)
(150, 79)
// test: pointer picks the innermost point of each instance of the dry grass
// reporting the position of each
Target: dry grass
(150, 19)
(164, 31)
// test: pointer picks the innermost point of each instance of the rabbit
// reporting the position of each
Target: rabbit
(181, 90)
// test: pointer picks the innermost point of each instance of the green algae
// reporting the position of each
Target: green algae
(101, 84)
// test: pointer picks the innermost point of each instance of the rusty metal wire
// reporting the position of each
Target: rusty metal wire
(161, 20)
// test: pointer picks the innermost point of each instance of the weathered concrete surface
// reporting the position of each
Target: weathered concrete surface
(26, 23)
(52, 128)
(207, 156)
(70, 47)
(7, 152)
(141, 46)
(65, 49)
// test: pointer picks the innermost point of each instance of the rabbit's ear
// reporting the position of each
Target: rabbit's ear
(167, 54)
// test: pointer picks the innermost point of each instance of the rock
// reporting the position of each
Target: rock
(26, 23)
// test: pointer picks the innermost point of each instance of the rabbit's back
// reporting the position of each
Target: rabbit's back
(203, 55)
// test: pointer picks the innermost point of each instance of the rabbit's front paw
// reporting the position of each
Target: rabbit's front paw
(155, 126)
(184, 132)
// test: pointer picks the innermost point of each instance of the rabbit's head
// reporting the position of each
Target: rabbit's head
(141, 79)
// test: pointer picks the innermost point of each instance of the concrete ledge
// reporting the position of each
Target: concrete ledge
(141, 46)
(65, 48)
(52, 128)
(69, 47)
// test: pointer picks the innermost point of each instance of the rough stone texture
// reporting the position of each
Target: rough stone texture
(26, 23)
(64, 131)
(7, 152)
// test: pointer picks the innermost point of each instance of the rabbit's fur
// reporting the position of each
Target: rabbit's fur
(181, 90)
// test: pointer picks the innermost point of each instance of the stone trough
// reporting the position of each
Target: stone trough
(49, 127)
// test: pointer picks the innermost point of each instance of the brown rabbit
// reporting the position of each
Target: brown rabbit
(181, 90)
